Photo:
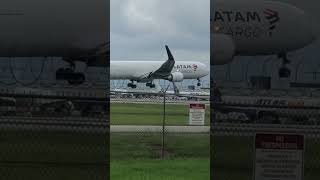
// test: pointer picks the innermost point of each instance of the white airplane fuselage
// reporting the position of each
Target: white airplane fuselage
(136, 70)
(38, 28)
(250, 28)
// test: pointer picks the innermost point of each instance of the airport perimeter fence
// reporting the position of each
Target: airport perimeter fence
(234, 125)
(53, 137)
(139, 130)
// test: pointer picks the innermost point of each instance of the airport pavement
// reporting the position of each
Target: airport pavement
(88, 125)
(96, 125)
(154, 101)
(157, 129)
(222, 129)
(233, 129)
(68, 124)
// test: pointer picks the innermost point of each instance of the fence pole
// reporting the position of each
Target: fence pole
(164, 121)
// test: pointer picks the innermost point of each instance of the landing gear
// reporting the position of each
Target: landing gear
(72, 77)
(175, 89)
(132, 85)
(150, 84)
(69, 74)
(199, 82)
(284, 71)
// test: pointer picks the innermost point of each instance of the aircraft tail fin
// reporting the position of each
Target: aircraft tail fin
(165, 69)
(170, 57)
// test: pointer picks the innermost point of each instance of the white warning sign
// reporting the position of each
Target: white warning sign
(279, 156)
(197, 114)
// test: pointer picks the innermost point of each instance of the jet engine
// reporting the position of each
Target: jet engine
(222, 49)
(176, 77)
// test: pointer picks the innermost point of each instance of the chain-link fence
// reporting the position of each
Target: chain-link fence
(235, 120)
(59, 135)
(147, 145)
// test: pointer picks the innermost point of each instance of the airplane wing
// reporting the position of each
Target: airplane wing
(165, 69)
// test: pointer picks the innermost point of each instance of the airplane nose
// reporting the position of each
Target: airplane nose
(310, 27)
(206, 70)
(307, 27)
(315, 33)
(295, 26)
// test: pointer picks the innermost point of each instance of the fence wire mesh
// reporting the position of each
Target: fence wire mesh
(235, 120)
(139, 142)
(54, 136)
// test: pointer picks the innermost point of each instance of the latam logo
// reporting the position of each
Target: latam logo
(273, 17)
(182, 66)
(195, 67)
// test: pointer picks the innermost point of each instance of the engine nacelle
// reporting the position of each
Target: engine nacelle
(176, 77)
(222, 49)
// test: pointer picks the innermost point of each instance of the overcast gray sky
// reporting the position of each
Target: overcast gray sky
(141, 28)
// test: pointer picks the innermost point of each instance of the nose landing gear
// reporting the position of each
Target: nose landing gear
(132, 85)
(69, 74)
(73, 78)
(284, 71)
(150, 84)
(199, 82)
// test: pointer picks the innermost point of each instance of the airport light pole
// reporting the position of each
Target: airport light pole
(164, 120)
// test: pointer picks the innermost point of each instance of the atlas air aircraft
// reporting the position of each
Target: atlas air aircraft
(253, 28)
(147, 71)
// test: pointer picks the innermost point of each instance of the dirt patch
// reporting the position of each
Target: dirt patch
(157, 149)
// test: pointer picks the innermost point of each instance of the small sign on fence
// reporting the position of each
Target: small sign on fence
(197, 114)
(278, 156)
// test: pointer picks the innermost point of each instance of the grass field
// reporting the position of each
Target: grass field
(151, 114)
(236, 155)
(138, 156)
(53, 155)
(82, 156)
(170, 169)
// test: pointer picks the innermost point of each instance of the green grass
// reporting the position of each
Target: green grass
(232, 154)
(82, 156)
(148, 145)
(53, 155)
(169, 169)
(236, 155)
(150, 114)
(138, 156)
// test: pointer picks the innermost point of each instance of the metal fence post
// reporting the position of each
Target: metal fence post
(164, 120)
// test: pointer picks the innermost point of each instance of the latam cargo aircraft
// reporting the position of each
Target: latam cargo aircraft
(77, 30)
(238, 28)
(147, 71)
(252, 28)
(44, 28)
